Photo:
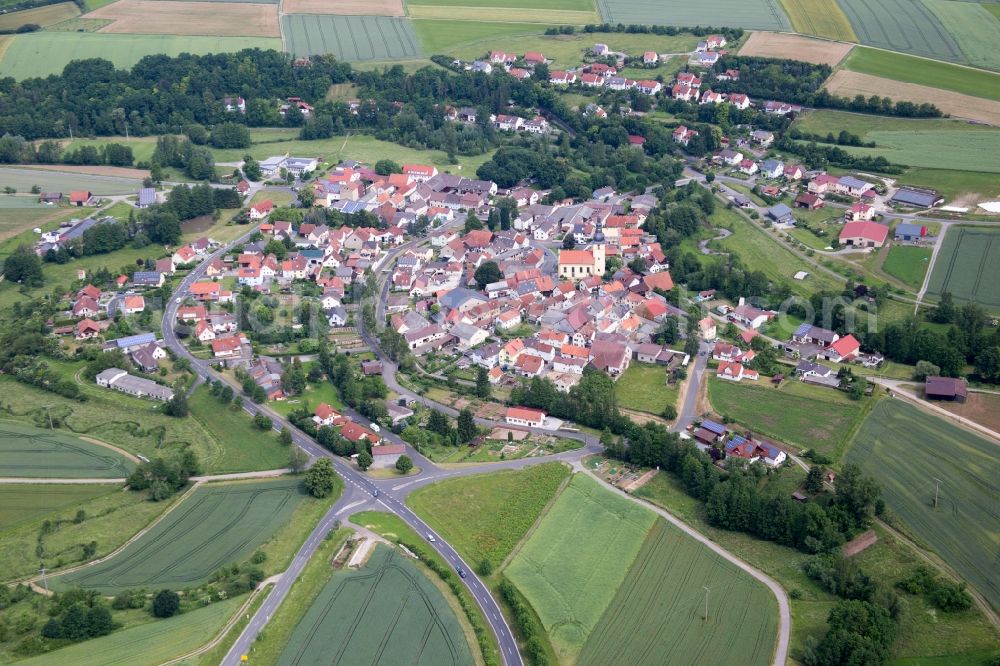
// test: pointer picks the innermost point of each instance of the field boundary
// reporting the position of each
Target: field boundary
(538, 521)
(780, 652)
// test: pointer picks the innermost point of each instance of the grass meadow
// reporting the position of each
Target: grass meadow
(803, 415)
(49, 454)
(756, 14)
(973, 26)
(386, 612)
(662, 601)
(219, 524)
(643, 387)
(44, 53)
(906, 68)
(147, 644)
(573, 564)
(908, 263)
(906, 449)
(485, 516)
(259, 449)
(23, 178)
(22, 502)
(968, 265)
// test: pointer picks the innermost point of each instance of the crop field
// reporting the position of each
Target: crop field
(643, 387)
(21, 502)
(31, 452)
(968, 265)
(974, 28)
(823, 121)
(350, 38)
(905, 449)
(795, 47)
(901, 25)
(218, 524)
(387, 612)
(804, 415)
(568, 50)
(544, 17)
(849, 83)
(927, 73)
(189, 18)
(345, 7)
(43, 16)
(662, 598)
(485, 516)
(908, 263)
(819, 17)
(970, 149)
(756, 14)
(445, 37)
(23, 179)
(148, 644)
(44, 53)
(571, 567)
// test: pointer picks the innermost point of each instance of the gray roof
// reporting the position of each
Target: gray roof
(909, 230)
(919, 198)
(779, 211)
(147, 196)
(772, 165)
(854, 183)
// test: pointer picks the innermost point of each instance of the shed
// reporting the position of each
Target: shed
(917, 197)
(781, 214)
(910, 232)
(945, 388)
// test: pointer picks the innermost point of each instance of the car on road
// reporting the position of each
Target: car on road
(430, 537)
(461, 572)
(375, 493)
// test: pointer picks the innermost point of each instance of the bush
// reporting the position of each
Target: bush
(166, 603)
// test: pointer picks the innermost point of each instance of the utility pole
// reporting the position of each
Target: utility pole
(44, 582)
(937, 486)
(706, 603)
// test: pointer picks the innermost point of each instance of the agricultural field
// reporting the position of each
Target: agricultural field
(485, 516)
(972, 149)
(386, 612)
(961, 188)
(906, 449)
(443, 37)
(23, 178)
(968, 265)
(44, 53)
(901, 25)
(643, 387)
(755, 14)
(218, 524)
(345, 7)
(24, 502)
(147, 644)
(542, 17)
(927, 73)
(866, 126)
(802, 415)
(974, 27)
(43, 16)
(819, 17)
(16, 222)
(47, 454)
(796, 47)
(350, 38)
(846, 83)
(189, 18)
(662, 599)
(573, 564)
(983, 408)
(259, 449)
(908, 263)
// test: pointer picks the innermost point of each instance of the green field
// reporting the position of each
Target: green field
(446, 37)
(564, 5)
(218, 524)
(23, 179)
(974, 28)
(908, 263)
(48, 454)
(803, 415)
(44, 53)
(955, 184)
(350, 38)
(142, 146)
(968, 265)
(757, 14)
(902, 67)
(485, 516)
(967, 149)
(20, 503)
(386, 612)
(901, 25)
(662, 601)
(819, 17)
(568, 50)
(573, 564)
(259, 449)
(643, 387)
(906, 449)
(147, 644)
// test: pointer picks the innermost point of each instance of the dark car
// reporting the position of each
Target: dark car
(375, 493)
(461, 572)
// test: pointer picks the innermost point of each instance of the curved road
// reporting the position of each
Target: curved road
(359, 490)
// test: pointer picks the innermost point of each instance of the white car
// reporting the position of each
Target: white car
(430, 537)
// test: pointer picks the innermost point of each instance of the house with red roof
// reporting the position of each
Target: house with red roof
(260, 211)
(325, 415)
(525, 416)
(864, 234)
(229, 346)
(133, 304)
(87, 329)
(859, 212)
(80, 197)
(734, 372)
(843, 350)
(354, 433)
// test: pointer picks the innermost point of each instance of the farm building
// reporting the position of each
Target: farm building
(781, 214)
(910, 232)
(386, 455)
(864, 234)
(120, 380)
(918, 198)
(945, 388)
